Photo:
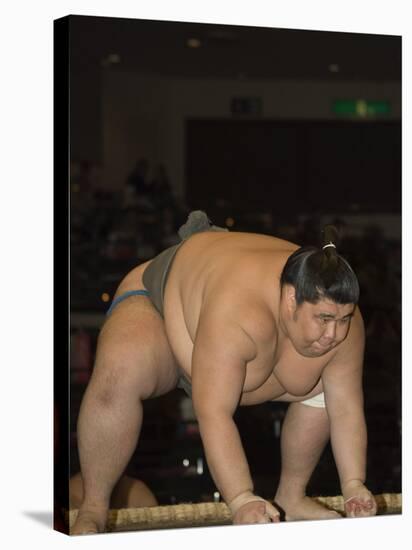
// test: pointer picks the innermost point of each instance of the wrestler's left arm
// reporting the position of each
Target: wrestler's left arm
(342, 385)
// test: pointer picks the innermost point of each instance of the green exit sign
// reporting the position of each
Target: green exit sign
(361, 108)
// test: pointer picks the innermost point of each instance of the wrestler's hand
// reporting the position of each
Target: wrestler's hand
(358, 500)
(248, 509)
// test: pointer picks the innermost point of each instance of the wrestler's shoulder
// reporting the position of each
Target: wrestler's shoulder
(357, 327)
(353, 346)
(250, 312)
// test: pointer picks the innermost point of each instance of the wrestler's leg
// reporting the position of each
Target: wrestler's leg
(305, 433)
(127, 493)
(133, 362)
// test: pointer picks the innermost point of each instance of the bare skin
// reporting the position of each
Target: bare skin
(128, 493)
(229, 329)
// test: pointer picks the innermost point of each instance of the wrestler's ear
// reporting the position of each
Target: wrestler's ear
(290, 297)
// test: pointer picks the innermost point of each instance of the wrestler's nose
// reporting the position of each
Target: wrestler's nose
(329, 334)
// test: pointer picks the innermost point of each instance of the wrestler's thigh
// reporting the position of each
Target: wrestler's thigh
(289, 398)
(133, 353)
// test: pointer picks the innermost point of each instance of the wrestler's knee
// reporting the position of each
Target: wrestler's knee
(133, 357)
(121, 372)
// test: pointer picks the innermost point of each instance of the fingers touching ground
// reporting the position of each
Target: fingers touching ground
(257, 511)
(360, 507)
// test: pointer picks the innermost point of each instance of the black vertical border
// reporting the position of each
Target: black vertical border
(61, 386)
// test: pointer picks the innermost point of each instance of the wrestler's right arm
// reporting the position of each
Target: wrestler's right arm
(221, 351)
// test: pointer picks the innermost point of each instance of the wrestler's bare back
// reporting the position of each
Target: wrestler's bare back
(238, 273)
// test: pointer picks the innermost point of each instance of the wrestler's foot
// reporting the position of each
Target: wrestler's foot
(304, 508)
(89, 522)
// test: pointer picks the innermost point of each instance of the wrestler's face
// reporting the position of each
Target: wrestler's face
(315, 329)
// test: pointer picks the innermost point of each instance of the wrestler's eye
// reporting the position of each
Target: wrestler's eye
(323, 320)
(344, 321)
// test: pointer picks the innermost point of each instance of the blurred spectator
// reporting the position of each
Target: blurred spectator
(139, 190)
(162, 190)
(83, 176)
(137, 178)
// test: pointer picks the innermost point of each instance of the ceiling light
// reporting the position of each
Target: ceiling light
(110, 59)
(193, 43)
(113, 58)
(333, 68)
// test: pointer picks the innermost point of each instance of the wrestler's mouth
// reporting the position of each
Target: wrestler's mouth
(317, 350)
(323, 347)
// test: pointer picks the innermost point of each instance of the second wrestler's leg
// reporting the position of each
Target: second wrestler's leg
(305, 433)
(133, 363)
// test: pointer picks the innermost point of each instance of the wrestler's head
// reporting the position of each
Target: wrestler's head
(319, 292)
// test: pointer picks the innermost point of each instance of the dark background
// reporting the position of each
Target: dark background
(244, 127)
